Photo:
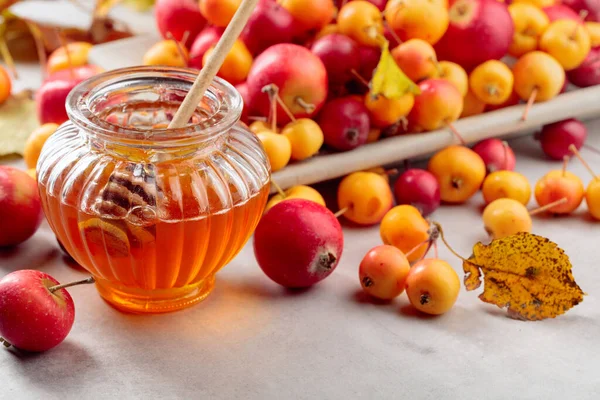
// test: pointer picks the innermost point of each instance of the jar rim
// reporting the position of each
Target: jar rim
(80, 112)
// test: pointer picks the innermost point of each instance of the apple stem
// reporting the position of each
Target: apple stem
(440, 232)
(359, 77)
(435, 249)
(548, 206)
(456, 133)
(178, 45)
(65, 45)
(393, 34)
(89, 280)
(285, 108)
(505, 147)
(428, 240)
(574, 150)
(564, 166)
(278, 188)
(530, 102)
(308, 107)
(5, 342)
(341, 212)
(8, 58)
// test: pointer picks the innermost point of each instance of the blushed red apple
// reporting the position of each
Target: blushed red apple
(418, 188)
(496, 154)
(177, 17)
(345, 123)
(269, 24)
(340, 55)
(588, 73)
(300, 76)
(20, 207)
(479, 30)
(203, 42)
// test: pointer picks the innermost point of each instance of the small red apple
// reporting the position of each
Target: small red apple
(479, 30)
(204, 41)
(298, 243)
(177, 17)
(556, 138)
(20, 207)
(560, 11)
(496, 154)
(32, 317)
(418, 188)
(340, 55)
(588, 73)
(345, 123)
(269, 24)
(300, 76)
(50, 100)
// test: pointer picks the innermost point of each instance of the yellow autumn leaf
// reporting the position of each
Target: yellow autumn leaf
(389, 80)
(17, 121)
(525, 273)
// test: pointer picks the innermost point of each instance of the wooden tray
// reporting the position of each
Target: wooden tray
(579, 103)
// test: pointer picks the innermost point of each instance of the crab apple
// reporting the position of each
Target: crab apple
(439, 104)
(205, 40)
(296, 192)
(20, 207)
(479, 30)
(592, 198)
(269, 24)
(530, 22)
(556, 185)
(345, 123)
(50, 101)
(277, 147)
(167, 53)
(418, 19)
(588, 73)
(556, 138)
(505, 217)
(460, 172)
(259, 126)
(219, 12)
(539, 72)
(492, 82)
(298, 243)
(306, 137)
(417, 59)
(383, 271)
(472, 105)
(237, 63)
(362, 21)
(5, 85)
(366, 197)
(77, 56)
(33, 145)
(455, 74)
(31, 317)
(405, 228)
(369, 59)
(432, 286)
(300, 76)
(593, 29)
(418, 188)
(340, 55)
(567, 41)
(385, 112)
(178, 17)
(310, 15)
(590, 7)
(496, 154)
(560, 11)
(506, 185)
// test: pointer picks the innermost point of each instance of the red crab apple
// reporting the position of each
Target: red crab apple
(298, 243)
(418, 188)
(178, 17)
(340, 55)
(269, 24)
(369, 58)
(496, 154)
(300, 76)
(345, 123)
(591, 7)
(588, 73)
(557, 137)
(560, 11)
(204, 41)
(20, 207)
(32, 317)
(479, 30)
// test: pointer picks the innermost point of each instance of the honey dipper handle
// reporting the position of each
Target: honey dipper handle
(215, 60)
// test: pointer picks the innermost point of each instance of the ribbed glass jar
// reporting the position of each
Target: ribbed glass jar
(152, 213)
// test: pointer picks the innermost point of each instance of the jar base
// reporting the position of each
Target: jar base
(138, 301)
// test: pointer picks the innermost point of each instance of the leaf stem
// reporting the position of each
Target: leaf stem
(89, 280)
(441, 233)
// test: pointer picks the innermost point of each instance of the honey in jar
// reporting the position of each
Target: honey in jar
(151, 212)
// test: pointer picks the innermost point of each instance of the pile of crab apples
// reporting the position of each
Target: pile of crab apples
(304, 67)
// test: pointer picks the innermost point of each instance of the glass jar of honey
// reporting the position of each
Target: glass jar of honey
(151, 212)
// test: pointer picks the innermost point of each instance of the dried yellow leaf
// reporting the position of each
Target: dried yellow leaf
(17, 121)
(525, 273)
(389, 80)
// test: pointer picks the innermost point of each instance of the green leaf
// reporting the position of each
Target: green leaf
(389, 80)
(17, 120)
